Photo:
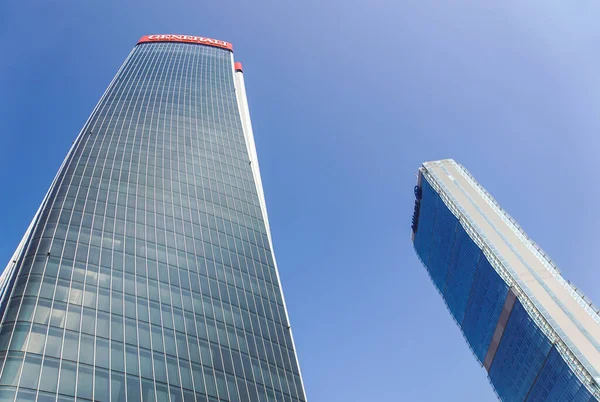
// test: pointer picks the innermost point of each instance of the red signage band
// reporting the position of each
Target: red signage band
(187, 39)
(238, 66)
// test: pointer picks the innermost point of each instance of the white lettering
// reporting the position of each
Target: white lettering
(190, 38)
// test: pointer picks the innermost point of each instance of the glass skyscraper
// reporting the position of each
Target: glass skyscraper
(534, 333)
(148, 271)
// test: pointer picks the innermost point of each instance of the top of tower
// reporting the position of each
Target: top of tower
(186, 39)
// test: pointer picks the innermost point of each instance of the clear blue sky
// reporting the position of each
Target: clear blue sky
(347, 99)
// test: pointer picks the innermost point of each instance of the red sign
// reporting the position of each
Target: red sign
(238, 66)
(187, 39)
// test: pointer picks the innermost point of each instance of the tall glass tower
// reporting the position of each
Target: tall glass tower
(534, 333)
(148, 271)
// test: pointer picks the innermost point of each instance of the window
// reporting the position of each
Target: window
(37, 338)
(54, 342)
(49, 376)
(68, 372)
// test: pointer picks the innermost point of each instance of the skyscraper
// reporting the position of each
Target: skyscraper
(534, 333)
(148, 271)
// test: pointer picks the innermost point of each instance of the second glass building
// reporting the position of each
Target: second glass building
(536, 336)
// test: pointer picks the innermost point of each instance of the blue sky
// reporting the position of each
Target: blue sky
(348, 98)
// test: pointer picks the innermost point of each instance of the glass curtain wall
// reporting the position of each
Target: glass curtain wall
(148, 274)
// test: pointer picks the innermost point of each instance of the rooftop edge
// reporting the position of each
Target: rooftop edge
(186, 39)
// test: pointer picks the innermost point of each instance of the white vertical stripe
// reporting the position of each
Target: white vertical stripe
(242, 101)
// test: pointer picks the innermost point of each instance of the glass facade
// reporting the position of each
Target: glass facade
(523, 362)
(148, 273)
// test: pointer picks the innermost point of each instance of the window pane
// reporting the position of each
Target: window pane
(160, 369)
(49, 376)
(7, 394)
(31, 368)
(146, 363)
(132, 360)
(58, 315)
(12, 368)
(27, 307)
(26, 395)
(103, 324)
(85, 382)
(20, 335)
(37, 339)
(86, 349)
(117, 359)
(102, 353)
(101, 385)
(74, 317)
(133, 389)
(68, 371)
(186, 375)
(117, 387)
(54, 343)
(71, 346)
(148, 391)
